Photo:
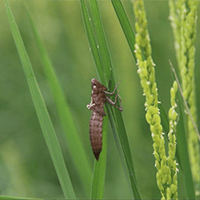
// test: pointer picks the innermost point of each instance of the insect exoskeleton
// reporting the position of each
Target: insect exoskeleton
(98, 99)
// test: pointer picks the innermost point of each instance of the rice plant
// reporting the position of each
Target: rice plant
(52, 51)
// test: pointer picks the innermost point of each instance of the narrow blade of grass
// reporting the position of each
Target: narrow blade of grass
(41, 110)
(74, 144)
(92, 41)
(100, 165)
(125, 24)
(115, 116)
(102, 44)
(121, 138)
(183, 152)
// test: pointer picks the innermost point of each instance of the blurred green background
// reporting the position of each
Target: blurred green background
(25, 165)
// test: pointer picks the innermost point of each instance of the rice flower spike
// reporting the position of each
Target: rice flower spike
(146, 72)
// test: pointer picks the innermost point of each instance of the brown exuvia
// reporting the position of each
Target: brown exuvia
(98, 98)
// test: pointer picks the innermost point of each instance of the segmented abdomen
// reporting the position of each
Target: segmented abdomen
(96, 123)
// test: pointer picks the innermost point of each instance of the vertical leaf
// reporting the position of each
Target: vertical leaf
(125, 24)
(74, 144)
(95, 33)
(101, 40)
(92, 42)
(41, 110)
(100, 165)
(183, 152)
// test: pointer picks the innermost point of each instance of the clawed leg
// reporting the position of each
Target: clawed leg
(113, 103)
(111, 93)
(89, 106)
(117, 95)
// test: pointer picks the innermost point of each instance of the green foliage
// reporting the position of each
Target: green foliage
(183, 18)
(62, 35)
(100, 166)
(115, 117)
(43, 116)
(73, 141)
(125, 24)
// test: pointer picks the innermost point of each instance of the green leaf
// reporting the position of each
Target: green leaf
(100, 166)
(125, 24)
(119, 131)
(92, 41)
(95, 33)
(41, 110)
(183, 151)
(74, 144)
(101, 40)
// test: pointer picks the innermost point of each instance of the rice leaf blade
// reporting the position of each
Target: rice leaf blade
(41, 110)
(183, 152)
(92, 41)
(115, 116)
(98, 181)
(101, 40)
(76, 149)
(125, 24)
